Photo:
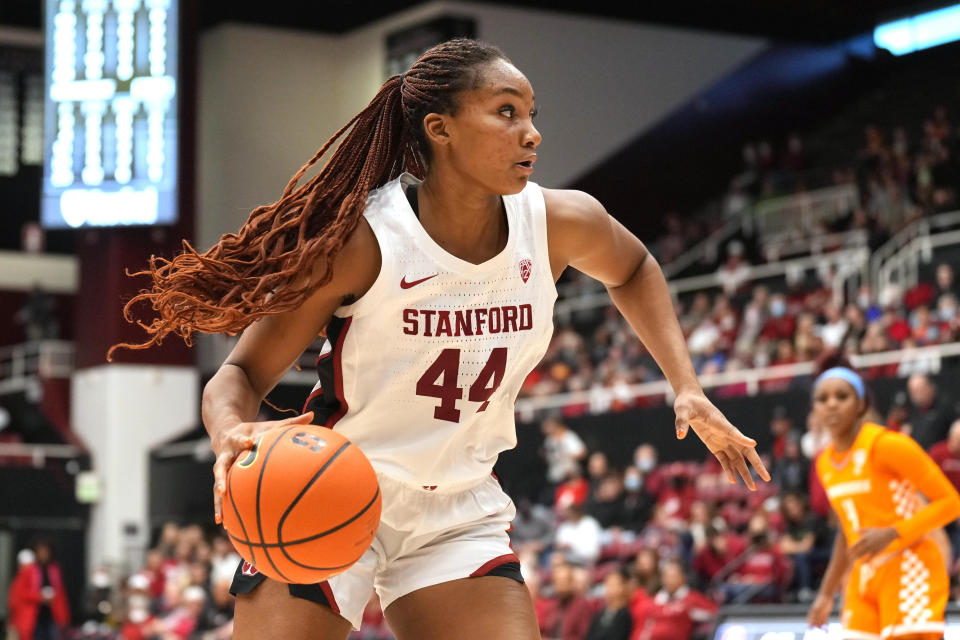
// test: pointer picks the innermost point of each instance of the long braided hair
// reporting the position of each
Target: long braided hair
(254, 273)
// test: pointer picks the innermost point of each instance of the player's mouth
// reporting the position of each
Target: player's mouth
(527, 165)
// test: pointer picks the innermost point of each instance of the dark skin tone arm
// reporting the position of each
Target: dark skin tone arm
(840, 561)
(268, 348)
(636, 284)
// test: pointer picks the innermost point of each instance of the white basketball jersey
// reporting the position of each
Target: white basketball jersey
(425, 367)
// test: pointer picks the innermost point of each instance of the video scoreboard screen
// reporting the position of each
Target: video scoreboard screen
(110, 116)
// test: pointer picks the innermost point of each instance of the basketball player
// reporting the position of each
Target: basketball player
(898, 584)
(429, 259)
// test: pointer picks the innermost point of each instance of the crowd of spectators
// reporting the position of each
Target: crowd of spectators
(901, 173)
(751, 328)
(653, 550)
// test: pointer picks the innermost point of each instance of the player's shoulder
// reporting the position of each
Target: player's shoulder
(571, 204)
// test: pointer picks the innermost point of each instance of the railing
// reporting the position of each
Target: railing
(38, 454)
(894, 258)
(22, 364)
(599, 399)
(785, 245)
(804, 210)
(708, 246)
(849, 266)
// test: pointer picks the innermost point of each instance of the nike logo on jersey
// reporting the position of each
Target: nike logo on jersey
(406, 285)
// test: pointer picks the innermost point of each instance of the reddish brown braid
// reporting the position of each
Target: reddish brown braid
(256, 272)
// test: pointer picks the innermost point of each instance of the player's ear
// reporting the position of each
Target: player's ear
(435, 128)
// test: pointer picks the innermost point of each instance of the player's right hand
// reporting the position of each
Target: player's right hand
(820, 611)
(230, 443)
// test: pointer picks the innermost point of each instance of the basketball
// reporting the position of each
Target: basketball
(303, 505)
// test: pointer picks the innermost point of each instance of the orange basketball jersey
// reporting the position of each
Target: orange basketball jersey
(875, 484)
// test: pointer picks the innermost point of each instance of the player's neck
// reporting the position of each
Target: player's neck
(843, 442)
(463, 221)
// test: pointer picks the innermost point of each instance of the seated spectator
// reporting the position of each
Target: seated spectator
(606, 504)
(637, 501)
(931, 411)
(567, 615)
(675, 610)
(806, 542)
(735, 271)
(573, 490)
(183, 619)
(533, 527)
(597, 469)
(578, 537)
(645, 459)
(646, 570)
(720, 550)
(946, 454)
(562, 448)
(613, 622)
(758, 575)
(791, 472)
(781, 325)
(946, 282)
(781, 428)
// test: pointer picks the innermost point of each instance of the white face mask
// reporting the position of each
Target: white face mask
(632, 483)
(646, 465)
(947, 313)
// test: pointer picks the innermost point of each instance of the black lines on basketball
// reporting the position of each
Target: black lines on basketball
(263, 467)
(240, 519)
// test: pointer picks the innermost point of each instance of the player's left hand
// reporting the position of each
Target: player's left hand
(732, 448)
(872, 541)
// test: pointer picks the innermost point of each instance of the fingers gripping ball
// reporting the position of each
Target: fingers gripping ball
(303, 505)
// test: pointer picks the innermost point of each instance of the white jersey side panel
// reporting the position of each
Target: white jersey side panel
(426, 366)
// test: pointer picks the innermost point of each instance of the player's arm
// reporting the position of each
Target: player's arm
(900, 455)
(268, 348)
(832, 581)
(583, 235)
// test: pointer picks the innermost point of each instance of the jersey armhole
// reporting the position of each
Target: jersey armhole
(369, 299)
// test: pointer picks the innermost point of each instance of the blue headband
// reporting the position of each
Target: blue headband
(843, 374)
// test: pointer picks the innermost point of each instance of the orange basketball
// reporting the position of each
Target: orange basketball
(303, 505)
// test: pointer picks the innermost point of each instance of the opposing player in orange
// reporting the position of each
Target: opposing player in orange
(429, 259)
(898, 584)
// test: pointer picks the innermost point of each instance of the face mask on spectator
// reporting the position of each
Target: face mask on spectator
(646, 465)
(863, 301)
(778, 308)
(632, 483)
(947, 312)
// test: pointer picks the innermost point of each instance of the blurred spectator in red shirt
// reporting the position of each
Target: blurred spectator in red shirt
(721, 549)
(947, 454)
(646, 570)
(781, 427)
(37, 598)
(573, 491)
(761, 572)
(182, 620)
(645, 459)
(568, 615)
(781, 325)
(675, 610)
(613, 622)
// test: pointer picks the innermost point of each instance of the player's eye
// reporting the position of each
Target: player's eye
(508, 110)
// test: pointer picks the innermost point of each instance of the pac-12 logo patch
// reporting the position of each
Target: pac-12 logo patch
(248, 569)
(525, 267)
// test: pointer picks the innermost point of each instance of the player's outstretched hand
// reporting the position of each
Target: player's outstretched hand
(232, 442)
(820, 610)
(732, 448)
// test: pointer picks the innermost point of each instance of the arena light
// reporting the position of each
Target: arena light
(918, 32)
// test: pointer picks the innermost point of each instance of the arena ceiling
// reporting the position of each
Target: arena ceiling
(796, 20)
